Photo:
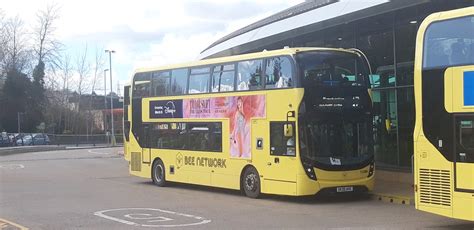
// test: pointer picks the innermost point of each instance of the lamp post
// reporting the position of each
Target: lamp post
(18, 117)
(111, 98)
(105, 98)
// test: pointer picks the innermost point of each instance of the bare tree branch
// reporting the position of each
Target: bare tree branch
(46, 46)
(16, 53)
(3, 39)
(83, 70)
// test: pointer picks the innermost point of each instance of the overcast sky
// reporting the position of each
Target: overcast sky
(146, 33)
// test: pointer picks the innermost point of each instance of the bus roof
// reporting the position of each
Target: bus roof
(262, 54)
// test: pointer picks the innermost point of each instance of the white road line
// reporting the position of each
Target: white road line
(149, 218)
(12, 166)
(50, 152)
(97, 152)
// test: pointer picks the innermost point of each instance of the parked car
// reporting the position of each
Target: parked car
(4, 140)
(24, 139)
(14, 137)
(33, 139)
(40, 139)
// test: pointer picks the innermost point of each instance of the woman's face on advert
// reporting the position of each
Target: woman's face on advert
(240, 104)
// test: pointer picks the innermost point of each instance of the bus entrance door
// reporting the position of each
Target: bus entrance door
(464, 159)
(280, 175)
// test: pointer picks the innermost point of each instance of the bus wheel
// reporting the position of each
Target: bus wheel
(251, 183)
(158, 173)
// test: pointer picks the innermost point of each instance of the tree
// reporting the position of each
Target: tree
(46, 46)
(98, 67)
(16, 52)
(46, 49)
(37, 102)
(3, 41)
(14, 60)
(82, 68)
(66, 70)
(2, 57)
(15, 100)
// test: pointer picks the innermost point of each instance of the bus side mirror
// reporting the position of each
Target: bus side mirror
(288, 130)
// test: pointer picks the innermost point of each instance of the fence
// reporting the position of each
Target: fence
(96, 139)
(21, 139)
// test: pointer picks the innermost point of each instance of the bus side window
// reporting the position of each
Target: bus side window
(223, 78)
(193, 136)
(141, 85)
(249, 75)
(179, 81)
(199, 80)
(161, 83)
(278, 73)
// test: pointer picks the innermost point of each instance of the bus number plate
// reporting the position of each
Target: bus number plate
(345, 189)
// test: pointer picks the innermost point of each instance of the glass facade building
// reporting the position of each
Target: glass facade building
(388, 40)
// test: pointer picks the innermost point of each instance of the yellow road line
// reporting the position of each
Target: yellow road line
(5, 224)
(391, 198)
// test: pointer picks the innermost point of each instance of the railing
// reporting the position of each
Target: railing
(25, 139)
(96, 139)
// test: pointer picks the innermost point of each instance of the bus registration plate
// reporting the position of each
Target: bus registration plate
(345, 189)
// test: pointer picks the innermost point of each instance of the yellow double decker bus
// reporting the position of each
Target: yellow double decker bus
(294, 121)
(444, 129)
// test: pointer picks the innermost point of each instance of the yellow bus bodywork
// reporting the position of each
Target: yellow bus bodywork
(284, 178)
(434, 175)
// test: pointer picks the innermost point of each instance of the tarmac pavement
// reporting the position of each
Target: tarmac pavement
(91, 189)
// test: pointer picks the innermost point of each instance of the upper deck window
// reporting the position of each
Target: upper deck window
(278, 73)
(223, 78)
(199, 80)
(161, 83)
(141, 85)
(249, 75)
(179, 81)
(445, 46)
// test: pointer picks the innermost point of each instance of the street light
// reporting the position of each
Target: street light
(105, 98)
(18, 117)
(111, 99)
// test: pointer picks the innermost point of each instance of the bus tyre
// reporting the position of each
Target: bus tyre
(158, 173)
(251, 183)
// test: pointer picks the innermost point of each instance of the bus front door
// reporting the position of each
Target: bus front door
(280, 176)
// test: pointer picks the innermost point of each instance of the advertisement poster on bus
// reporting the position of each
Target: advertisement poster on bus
(239, 110)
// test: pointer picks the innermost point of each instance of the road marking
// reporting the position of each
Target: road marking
(12, 167)
(97, 152)
(5, 224)
(151, 217)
